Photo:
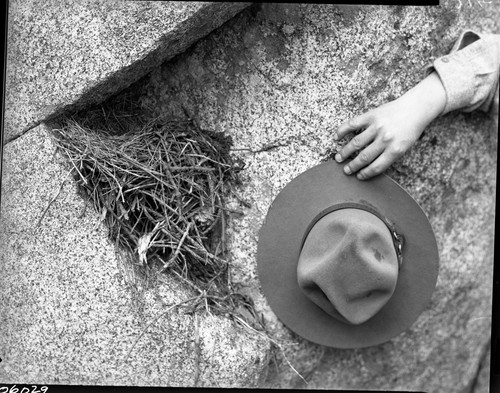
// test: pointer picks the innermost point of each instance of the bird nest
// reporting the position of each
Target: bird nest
(160, 187)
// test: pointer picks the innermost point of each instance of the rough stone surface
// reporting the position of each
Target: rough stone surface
(71, 310)
(65, 55)
(280, 79)
(482, 383)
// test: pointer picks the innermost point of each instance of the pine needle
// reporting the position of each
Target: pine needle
(160, 186)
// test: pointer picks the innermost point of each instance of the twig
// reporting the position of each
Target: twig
(154, 320)
(52, 200)
(197, 348)
(275, 343)
(264, 148)
(178, 249)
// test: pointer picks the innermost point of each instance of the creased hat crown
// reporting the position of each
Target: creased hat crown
(348, 265)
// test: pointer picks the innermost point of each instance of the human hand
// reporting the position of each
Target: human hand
(391, 129)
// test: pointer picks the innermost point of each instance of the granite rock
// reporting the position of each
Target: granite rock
(482, 382)
(279, 79)
(66, 55)
(75, 311)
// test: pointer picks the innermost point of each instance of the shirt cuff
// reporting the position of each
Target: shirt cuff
(467, 72)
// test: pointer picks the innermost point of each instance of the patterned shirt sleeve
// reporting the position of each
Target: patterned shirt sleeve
(470, 73)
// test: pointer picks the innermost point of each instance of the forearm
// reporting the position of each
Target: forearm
(466, 79)
(427, 100)
(391, 129)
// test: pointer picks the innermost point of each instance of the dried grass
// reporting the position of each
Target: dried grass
(160, 187)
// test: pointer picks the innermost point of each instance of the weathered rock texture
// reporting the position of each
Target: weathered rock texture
(279, 79)
(65, 55)
(482, 383)
(72, 312)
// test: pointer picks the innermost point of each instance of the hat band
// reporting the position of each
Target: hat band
(397, 238)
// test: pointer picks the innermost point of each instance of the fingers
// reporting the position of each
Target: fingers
(356, 123)
(379, 165)
(364, 158)
(375, 168)
(356, 143)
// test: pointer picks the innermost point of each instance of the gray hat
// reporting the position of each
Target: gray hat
(346, 263)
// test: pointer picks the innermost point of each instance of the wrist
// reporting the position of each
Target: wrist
(427, 99)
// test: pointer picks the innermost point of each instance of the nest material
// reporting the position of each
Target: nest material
(160, 188)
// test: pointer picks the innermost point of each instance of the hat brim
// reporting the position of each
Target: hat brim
(280, 241)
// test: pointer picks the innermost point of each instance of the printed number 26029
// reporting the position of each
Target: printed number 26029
(24, 389)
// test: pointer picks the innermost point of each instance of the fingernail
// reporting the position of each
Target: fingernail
(360, 176)
(347, 170)
(338, 157)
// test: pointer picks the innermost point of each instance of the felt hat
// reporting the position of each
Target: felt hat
(346, 263)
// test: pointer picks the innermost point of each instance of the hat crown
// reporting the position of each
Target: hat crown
(348, 265)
